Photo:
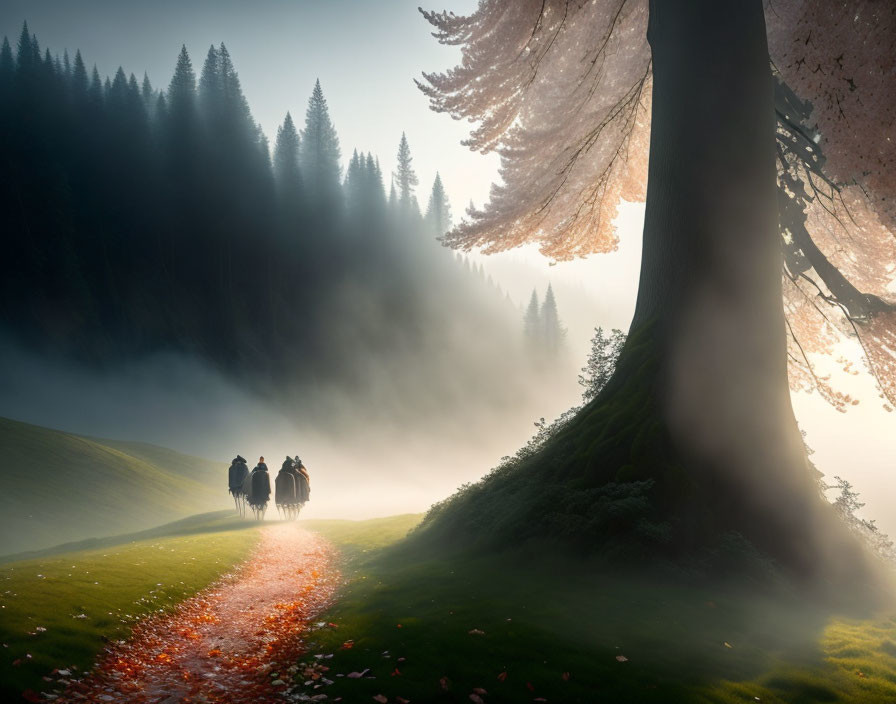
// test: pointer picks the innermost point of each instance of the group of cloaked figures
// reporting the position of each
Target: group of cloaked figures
(292, 487)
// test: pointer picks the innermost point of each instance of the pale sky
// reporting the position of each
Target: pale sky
(366, 54)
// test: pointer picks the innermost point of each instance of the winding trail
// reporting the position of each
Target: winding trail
(225, 643)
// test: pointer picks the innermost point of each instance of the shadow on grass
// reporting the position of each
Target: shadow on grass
(532, 625)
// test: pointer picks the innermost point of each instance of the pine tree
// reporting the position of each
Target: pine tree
(438, 212)
(236, 107)
(211, 92)
(532, 324)
(79, 81)
(182, 89)
(286, 153)
(146, 91)
(319, 154)
(405, 178)
(287, 175)
(553, 333)
(7, 69)
(393, 198)
(27, 54)
(377, 191)
(354, 183)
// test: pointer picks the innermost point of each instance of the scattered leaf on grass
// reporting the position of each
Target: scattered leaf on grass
(565, 676)
(480, 691)
(476, 699)
(358, 675)
(502, 676)
(727, 644)
(380, 698)
(621, 658)
(444, 682)
(476, 632)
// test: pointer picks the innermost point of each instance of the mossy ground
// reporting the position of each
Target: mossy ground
(545, 626)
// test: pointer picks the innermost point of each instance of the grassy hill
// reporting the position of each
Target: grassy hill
(59, 611)
(60, 487)
(59, 607)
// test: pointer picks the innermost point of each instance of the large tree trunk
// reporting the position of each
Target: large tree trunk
(694, 437)
(710, 288)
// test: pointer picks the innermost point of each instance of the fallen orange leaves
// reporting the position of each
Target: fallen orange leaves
(225, 644)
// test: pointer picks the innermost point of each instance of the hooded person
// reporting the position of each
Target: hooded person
(285, 485)
(261, 484)
(303, 481)
(236, 475)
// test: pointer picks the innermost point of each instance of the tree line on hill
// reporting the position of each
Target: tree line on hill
(140, 220)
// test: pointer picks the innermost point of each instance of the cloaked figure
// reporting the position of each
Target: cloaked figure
(285, 490)
(260, 489)
(303, 482)
(236, 477)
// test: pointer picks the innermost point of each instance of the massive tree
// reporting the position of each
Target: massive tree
(573, 95)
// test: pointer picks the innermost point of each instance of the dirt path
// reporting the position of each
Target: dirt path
(225, 643)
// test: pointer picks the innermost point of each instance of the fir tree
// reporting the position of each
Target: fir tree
(553, 333)
(211, 93)
(286, 157)
(146, 91)
(79, 81)
(405, 178)
(438, 212)
(7, 69)
(532, 325)
(182, 89)
(319, 154)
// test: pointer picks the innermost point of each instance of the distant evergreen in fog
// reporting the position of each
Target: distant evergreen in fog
(438, 212)
(405, 181)
(138, 220)
(543, 333)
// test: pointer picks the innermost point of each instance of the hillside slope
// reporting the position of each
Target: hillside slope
(61, 487)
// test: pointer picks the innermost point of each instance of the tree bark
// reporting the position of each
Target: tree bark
(710, 285)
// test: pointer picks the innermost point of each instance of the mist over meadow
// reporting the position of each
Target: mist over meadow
(176, 279)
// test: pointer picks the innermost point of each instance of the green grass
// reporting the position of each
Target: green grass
(544, 615)
(355, 538)
(112, 586)
(541, 616)
(60, 487)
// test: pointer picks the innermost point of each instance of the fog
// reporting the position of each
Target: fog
(380, 465)
(367, 460)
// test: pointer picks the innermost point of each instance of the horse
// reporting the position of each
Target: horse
(242, 495)
(236, 479)
(259, 491)
(285, 494)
